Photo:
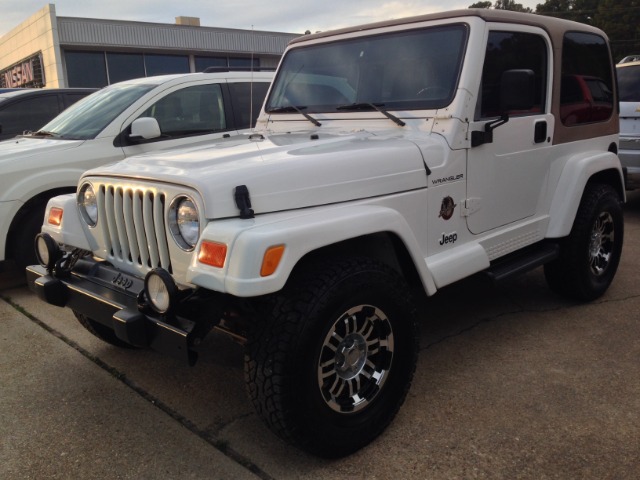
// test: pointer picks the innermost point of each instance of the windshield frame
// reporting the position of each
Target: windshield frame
(329, 77)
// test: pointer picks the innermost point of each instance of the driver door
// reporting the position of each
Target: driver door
(506, 173)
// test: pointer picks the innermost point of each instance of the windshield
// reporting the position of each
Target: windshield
(410, 70)
(87, 118)
(629, 83)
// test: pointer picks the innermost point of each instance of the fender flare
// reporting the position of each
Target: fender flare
(576, 173)
(301, 233)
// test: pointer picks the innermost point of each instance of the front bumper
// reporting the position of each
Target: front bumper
(105, 295)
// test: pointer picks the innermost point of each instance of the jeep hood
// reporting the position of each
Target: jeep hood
(284, 171)
(16, 149)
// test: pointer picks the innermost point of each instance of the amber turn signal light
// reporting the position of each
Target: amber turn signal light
(212, 253)
(271, 260)
(55, 216)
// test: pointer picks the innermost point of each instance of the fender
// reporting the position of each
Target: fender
(31, 186)
(302, 233)
(573, 179)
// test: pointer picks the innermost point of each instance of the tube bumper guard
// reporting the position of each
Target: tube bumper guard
(110, 297)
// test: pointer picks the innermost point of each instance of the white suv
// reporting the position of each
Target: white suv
(389, 161)
(123, 119)
(629, 84)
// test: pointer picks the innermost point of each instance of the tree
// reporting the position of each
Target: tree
(581, 11)
(503, 5)
(620, 19)
(481, 5)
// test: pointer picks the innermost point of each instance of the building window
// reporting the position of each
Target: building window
(166, 64)
(124, 66)
(201, 63)
(243, 62)
(86, 69)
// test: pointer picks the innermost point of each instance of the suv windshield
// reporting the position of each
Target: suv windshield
(87, 118)
(416, 69)
(629, 83)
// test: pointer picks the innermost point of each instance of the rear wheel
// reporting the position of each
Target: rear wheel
(103, 333)
(331, 363)
(589, 257)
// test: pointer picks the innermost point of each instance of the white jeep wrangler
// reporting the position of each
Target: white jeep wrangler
(389, 160)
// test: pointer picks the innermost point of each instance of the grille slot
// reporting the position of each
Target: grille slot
(134, 226)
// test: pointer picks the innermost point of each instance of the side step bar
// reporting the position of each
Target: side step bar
(523, 261)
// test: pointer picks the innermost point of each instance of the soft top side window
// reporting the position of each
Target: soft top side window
(512, 51)
(586, 91)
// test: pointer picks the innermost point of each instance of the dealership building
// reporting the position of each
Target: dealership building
(50, 51)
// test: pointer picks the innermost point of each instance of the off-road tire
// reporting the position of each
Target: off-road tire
(103, 333)
(334, 320)
(590, 255)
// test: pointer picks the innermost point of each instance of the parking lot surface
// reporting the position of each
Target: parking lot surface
(512, 382)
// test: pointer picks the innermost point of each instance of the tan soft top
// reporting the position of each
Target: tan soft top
(551, 24)
(556, 29)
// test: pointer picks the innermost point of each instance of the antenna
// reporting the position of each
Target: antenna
(251, 125)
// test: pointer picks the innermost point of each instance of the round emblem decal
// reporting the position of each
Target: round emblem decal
(447, 208)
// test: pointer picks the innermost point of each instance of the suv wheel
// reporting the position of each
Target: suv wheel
(330, 365)
(23, 250)
(589, 257)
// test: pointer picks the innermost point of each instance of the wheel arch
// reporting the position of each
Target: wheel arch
(385, 246)
(373, 230)
(26, 209)
(601, 167)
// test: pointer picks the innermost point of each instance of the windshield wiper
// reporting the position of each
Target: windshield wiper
(293, 108)
(369, 106)
(44, 133)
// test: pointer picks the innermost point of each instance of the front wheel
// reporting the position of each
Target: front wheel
(589, 257)
(331, 363)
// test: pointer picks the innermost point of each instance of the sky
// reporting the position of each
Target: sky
(293, 16)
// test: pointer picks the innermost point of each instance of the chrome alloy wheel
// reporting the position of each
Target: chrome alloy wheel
(355, 359)
(601, 243)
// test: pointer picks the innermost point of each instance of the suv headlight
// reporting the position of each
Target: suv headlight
(184, 222)
(88, 204)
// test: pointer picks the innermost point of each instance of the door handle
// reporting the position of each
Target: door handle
(540, 132)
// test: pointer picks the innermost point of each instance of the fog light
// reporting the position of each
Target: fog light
(161, 291)
(47, 251)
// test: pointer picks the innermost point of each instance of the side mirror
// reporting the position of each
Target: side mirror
(145, 128)
(517, 90)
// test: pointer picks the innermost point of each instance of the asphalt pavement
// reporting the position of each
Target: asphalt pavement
(513, 382)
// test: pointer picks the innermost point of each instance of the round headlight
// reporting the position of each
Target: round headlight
(184, 222)
(88, 204)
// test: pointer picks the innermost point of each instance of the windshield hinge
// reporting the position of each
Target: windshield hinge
(243, 201)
